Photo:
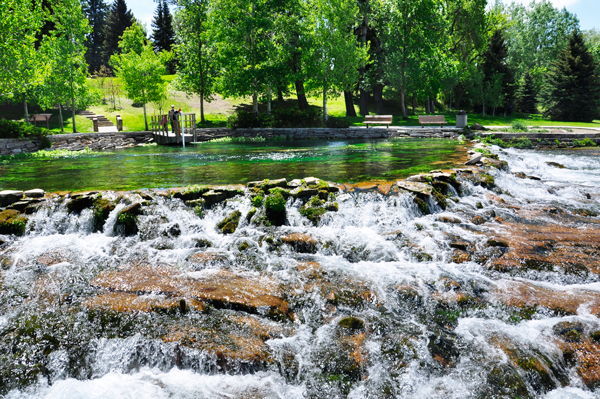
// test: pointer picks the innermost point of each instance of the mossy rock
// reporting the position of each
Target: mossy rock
(496, 242)
(570, 331)
(12, 222)
(441, 187)
(312, 213)
(422, 205)
(250, 214)
(80, 202)
(352, 323)
(440, 199)
(191, 193)
(596, 336)
(230, 223)
(275, 208)
(505, 382)
(127, 220)
(101, 210)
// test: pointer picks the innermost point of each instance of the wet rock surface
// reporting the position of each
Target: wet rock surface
(470, 280)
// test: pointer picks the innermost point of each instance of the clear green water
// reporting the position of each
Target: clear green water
(234, 162)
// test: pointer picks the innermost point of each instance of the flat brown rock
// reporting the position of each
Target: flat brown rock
(221, 288)
(415, 187)
(522, 294)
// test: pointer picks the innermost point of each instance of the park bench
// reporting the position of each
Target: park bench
(432, 120)
(378, 120)
(35, 118)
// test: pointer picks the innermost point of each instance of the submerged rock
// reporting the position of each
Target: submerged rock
(301, 242)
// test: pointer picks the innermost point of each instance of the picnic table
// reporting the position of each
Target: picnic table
(35, 118)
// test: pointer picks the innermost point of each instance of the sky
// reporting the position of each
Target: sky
(588, 11)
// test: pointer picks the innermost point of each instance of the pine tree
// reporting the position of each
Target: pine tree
(163, 35)
(572, 90)
(527, 96)
(95, 11)
(118, 20)
(496, 68)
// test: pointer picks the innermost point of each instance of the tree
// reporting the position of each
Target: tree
(139, 68)
(95, 11)
(335, 56)
(496, 69)
(536, 35)
(163, 35)
(592, 38)
(243, 34)
(527, 96)
(118, 20)
(20, 67)
(65, 81)
(196, 71)
(572, 89)
(411, 33)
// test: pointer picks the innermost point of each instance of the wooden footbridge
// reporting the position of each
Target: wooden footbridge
(184, 133)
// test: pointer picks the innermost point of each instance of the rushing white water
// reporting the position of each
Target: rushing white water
(373, 241)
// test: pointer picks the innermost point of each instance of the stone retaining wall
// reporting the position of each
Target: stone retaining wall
(329, 133)
(545, 139)
(17, 146)
(99, 141)
(77, 142)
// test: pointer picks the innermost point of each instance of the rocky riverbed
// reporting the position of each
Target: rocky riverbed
(481, 281)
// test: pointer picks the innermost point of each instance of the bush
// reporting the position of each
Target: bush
(294, 117)
(19, 130)
(245, 120)
(519, 126)
(333, 122)
(586, 142)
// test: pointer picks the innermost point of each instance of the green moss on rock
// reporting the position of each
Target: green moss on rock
(12, 222)
(275, 208)
(352, 323)
(230, 223)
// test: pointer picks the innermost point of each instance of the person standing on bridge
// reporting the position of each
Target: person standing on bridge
(172, 118)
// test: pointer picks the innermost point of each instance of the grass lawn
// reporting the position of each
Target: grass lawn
(217, 111)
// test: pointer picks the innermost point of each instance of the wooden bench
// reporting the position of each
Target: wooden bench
(378, 120)
(35, 118)
(432, 120)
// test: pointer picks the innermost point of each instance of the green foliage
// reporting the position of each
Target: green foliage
(295, 117)
(258, 201)
(572, 91)
(527, 95)
(586, 142)
(117, 21)
(163, 35)
(275, 208)
(195, 52)
(244, 120)
(140, 68)
(19, 130)
(519, 127)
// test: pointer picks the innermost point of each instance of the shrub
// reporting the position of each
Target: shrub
(19, 130)
(519, 126)
(522, 142)
(244, 120)
(294, 117)
(586, 142)
(333, 122)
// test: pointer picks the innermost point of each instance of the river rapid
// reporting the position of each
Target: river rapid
(495, 296)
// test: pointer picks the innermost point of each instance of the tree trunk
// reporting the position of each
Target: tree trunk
(280, 99)
(302, 102)
(269, 99)
(414, 104)
(26, 109)
(378, 97)
(254, 102)
(427, 106)
(145, 118)
(350, 111)
(324, 101)
(73, 109)
(432, 105)
(202, 120)
(60, 118)
(363, 102)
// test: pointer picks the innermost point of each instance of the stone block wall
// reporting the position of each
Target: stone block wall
(99, 141)
(17, 146)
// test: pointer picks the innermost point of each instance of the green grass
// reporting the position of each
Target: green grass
(133, 117)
